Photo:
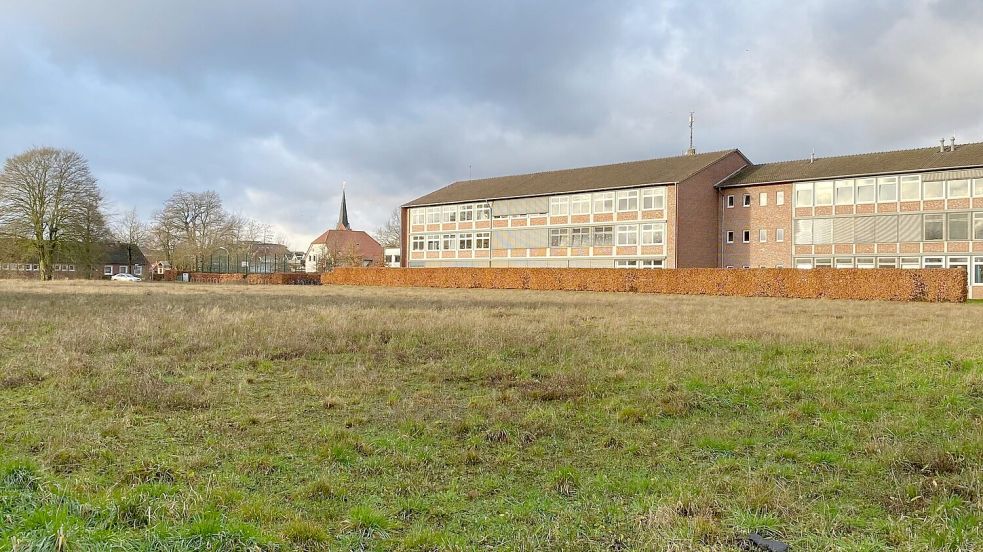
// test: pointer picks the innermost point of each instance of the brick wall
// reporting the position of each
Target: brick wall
(770, 217)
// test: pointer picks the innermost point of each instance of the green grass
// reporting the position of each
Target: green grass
(170, 417)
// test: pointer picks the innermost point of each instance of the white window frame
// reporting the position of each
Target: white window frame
(627, 201)
(465, 242)
(559, 237)
(904, 192)
(466, 213)
(746, 236)
(652, 234)
(887, 262)
(950, 223)
(779, 234)
(580, 236)
(804, 194)
(866, 262)
(433, 242)
(446, 239)
(763, 199)
(843, 262)
(626, 235)
(418, 216)
(433, 215)
(448, 214)
(933, 197)
(603, 202)
(978, 187)
(482, 211)
(780, 197)
(949, 192)
(843, 185)
(977, 226)
(884, 184)
(935, 218)
(603, 231)
(137, 270)
(418, 243)
(482, 240)
(559, 206)
(107, 270)
(978, 271)
(933, 262)
(653, 199)
(123, 269)
(580, 204)
(746, 200)
(865, 183)
(762, 235)
(824, 187)
(729, 236)
(910, 262)
(802, 263)
(730, 202)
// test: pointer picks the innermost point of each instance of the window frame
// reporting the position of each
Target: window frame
(600, 199)
(828, 186)
(935, 218)
(602, 236)
(804, 190)
(887, 183)
(729, 236)
(977, 276)
(433, 215)
(448, 214)
(559, 237)
(578, 200)
(418, 216)
(952, 221)
(934, 197)
(656, 231)
(630, 231)
(730, 202)
(948, 188)
(779, 235)
(656, 197)
(466, 213)
(629, 197)
(746, 236)
(559, 206)
(780, 197)
(482, 241)
(762, 235)
(433, 239)
(903, 194)
(580, 236)
(465, 241)
(107, 270)
(746, 200)
(843, 185)
(762, 199)
(865, 183)
(420, 240)
(977, 224)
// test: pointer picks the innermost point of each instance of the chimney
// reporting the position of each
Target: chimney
(952, 143)
(942, 145)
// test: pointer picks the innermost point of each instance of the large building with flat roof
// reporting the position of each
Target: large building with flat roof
(901, 209)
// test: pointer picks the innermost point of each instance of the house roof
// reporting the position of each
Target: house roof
(342, 240)
(635, 173)
(887, 162)
(122, 253)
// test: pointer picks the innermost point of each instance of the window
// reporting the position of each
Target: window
(802, 263)
(603, 202)
(730, 202)
(887, 262)
(803, 194)
(844, 192)
(866, 190)
(449, 242)
(603, 235)
(482, 211)
(747, 200)
(933, 190)
(911, 262)
(653, 234)
(630, 263)
(824, 193)
(934, 227)
(628, 234)
(957, 189)
(433, 215)
(978, 226)
(137, 270)
(762, 235)
(433, 242)
(978, 187)
(107, 270)
(763, 199)
(865, 262)
(959, 262)
(779, 234)
(580, 237)
(653, 198)
(449, 214)
(123, 269)
(71, 268)
(780, 198)
(417, 243)
(730, 236)
(418, 216)
(911, 188)
(482, 240)
(580, 204)
(465, 242)
(887, 189)
(844, 262)
(467, 213)
(651, 263)
(559, 237)
(747, 236)
(958, 226)
(628, 200)
(559, 206)
(977, 271)
(933, 262)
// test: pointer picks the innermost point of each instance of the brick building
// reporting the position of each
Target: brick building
(907, 209)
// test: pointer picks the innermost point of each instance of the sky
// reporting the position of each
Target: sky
(275, 104)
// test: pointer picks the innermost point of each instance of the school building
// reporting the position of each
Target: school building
(900, 209)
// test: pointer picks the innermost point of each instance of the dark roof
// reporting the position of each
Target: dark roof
(913, 160)
(620, 175)
(122, 253)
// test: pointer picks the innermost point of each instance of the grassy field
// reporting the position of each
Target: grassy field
(184, 417)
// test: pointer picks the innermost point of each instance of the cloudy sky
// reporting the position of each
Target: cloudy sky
(274, 104)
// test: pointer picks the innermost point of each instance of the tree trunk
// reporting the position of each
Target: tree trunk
(45, 263)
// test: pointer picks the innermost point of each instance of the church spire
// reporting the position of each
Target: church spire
(343, 215)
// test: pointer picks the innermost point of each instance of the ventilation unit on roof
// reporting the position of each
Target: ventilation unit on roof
(952, 143)
(942, 145)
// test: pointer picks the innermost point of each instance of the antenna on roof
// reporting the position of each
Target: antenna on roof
(812, 158)
(469, 171)
(691, 150)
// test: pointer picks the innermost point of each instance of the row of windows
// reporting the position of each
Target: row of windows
(123, 269)
(762, 199)
(649, 199)
(450, 213)
(762, 235)
(627, 234)
(15, 267)
(891, 228)
(451, 242)
(639, 263)
(974, 268)
(884, 189)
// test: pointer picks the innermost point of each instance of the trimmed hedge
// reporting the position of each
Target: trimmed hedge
(276, 278)
(934, 285)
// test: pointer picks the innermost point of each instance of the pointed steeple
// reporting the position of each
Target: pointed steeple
(343, 215)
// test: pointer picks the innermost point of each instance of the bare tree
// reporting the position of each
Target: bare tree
(131, 232)
(89, 248)
(194, 225)
(390, 233)
(45, 194)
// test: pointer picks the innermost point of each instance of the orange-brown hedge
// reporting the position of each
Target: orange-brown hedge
(277, 278)
(935, 285)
